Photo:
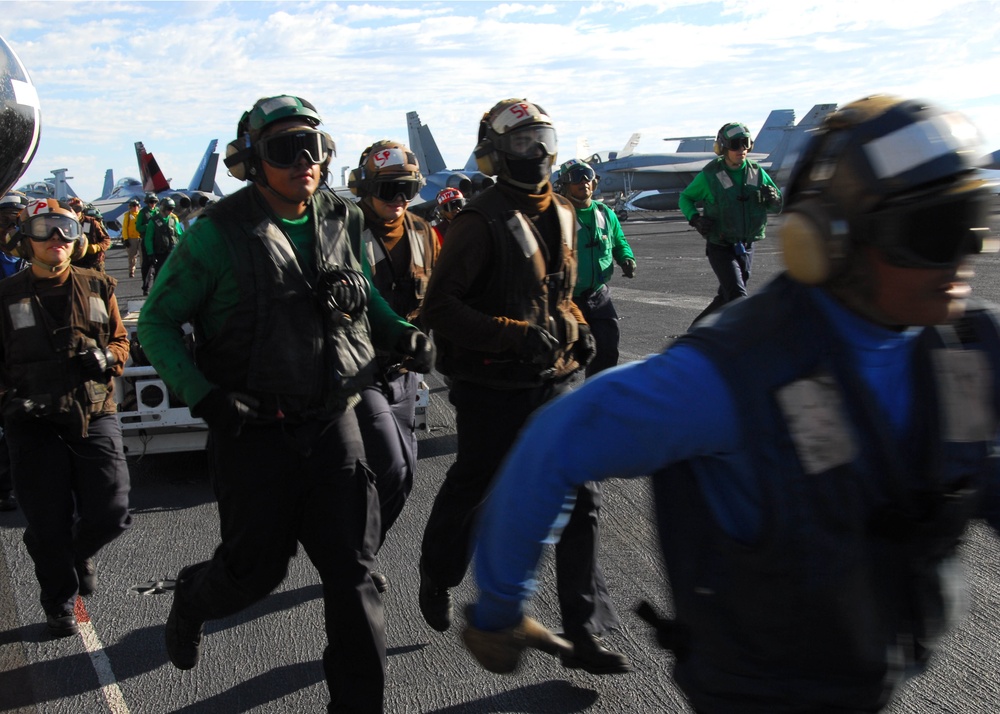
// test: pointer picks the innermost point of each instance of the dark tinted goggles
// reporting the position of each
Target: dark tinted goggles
(580, 174)
(388, 190)
(531, 142)
(52, 225)
(453, 206)
(740, 142)
(936, 233)
(284, 150)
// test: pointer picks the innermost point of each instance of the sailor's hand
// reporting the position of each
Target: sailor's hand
(418, 349)
(226, 412)
(500, 651)
(769, 195)
(585, 347)
(539, 346)
(628, 268)
(701, 224)
(95, 363)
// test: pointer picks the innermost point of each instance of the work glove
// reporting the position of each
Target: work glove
(628, 268)
(702, 225)
(539, 346)
(95, 363)
(585, 347)
(769, 194)
(500, 652)
(418, 349)
(226, 412)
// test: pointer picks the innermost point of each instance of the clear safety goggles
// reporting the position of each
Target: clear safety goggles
(531, 142)
(284, 150)
(580, 174)
(936, 233)
(52, 225)
(388, 190)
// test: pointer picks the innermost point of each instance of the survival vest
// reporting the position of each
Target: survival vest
(845, 583)
(739, 213)
(164, 234)
(403, 295)
(40, 350)
(519, 287)
(284, 345)
(595, 259)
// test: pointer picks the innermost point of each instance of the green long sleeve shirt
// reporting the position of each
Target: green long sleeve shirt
(197, 284)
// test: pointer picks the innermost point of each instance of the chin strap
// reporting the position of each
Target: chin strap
(51, 268)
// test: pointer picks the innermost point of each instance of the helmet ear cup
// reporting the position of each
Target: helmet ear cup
(717, 148)
(815, 245)
(486, 158)
(354, 182)
(238, 158)
(80, 249)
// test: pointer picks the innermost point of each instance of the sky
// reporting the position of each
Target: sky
(175, 75)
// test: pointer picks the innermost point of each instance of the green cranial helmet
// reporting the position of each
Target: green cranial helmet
(269, 110)
(733, 135)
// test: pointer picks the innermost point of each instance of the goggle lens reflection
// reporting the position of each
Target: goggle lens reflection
(284, 150)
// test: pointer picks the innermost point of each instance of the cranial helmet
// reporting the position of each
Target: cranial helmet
(390, 163)
(133, 202)
(151, 197)
(41, 218)
(574, 171)
(515, 130)
(447, 195)
(20, 118)
(169, 203)
(729, 137)
(243, 155)
(13, 200)
(895, 174)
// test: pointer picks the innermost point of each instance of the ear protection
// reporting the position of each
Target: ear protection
(360, 182)
(485, 153)
(239, 152)
(357, 175)
(815, 233)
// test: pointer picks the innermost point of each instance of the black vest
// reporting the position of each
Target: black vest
(284, 345)
(847, 582)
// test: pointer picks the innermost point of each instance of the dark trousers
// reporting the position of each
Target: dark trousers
(601, 316)
(387, 416)
(488, 422)
(732, 267)
(73, 492)
(6, 479)
(280, 485)
(150, 267)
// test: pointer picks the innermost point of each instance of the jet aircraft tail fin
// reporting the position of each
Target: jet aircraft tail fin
(109, 183)
(149, 171)
(786, 153)
(633, 141)
(771, 133)
(204, 175)
(423, 146)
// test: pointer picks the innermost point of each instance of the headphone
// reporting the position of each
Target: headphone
(721, 141)
(816, 233)
(239, 152)
(485, 153)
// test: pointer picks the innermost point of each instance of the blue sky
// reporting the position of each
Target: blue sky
(178, 74)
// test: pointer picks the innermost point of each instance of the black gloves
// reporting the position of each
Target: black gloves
(419, 350)
(95, 363)
(226, 412)
(539, 346)
(585, 347)
(702, 225)
(769, 195)
(628, 268)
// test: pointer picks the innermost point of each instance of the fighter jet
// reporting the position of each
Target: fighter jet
(660, 178)
(469, 180)
(57, 187)
(202, 190)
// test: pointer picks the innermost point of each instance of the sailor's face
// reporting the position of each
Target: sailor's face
(581, 191)
(389, 210)
(735, 157)
(54, 251)
(917, 296)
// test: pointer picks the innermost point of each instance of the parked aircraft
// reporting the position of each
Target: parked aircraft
(190, 201)
(661, 177)
(56, 187)
(469, 180)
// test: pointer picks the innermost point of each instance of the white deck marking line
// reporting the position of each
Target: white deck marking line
(102, 665)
